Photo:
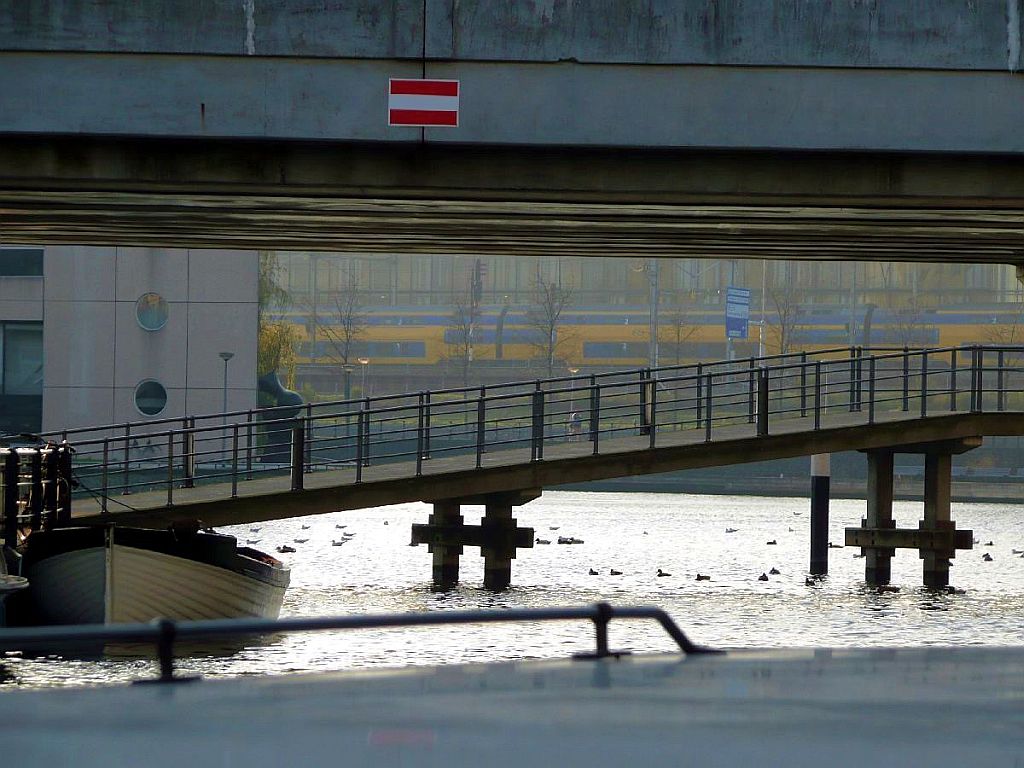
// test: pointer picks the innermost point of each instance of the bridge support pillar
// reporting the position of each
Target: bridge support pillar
(938, 475)
(497, 536)
(936, 538)
(820, 481)
(446, 556)
(878, 560)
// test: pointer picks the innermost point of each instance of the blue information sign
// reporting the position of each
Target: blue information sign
(737, 312)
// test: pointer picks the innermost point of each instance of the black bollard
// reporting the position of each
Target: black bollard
(820, 481)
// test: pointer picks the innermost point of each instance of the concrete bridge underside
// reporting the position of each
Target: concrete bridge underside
(351, 197)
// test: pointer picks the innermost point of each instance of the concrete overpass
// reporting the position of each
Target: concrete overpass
(679, 128)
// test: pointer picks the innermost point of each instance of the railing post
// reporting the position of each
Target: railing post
(187, 470)
(871, 390)
(419, 435)
(426, 426)
(36, 494)
(653, 423)
(952, 379)
(751, 389)
(853, 383)
(65, 471)
(11, 469)
(924, 383)
(803, 384)
(860, 378)
(359, 444)
(594, 415)
(50, 476)
(981, 379)
(127, 446)
(104, 485)
(707, 410)
(309, 435)
(366, 433)
(906, 379)
(298, 454)
(480, 416)
(644, 378)
(762, 401)
(234, 460)
(700, 393)
(170, 467)
(539, 395)
(817, 394)
(248, 445)
(1001, 394)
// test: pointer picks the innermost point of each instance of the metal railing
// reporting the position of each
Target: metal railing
(476, 423)
(164, 633)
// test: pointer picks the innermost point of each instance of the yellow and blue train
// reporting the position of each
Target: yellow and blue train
(618, 337)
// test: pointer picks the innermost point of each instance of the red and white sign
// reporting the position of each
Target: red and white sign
(425, 103)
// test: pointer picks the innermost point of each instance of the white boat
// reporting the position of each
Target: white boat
(113, 575)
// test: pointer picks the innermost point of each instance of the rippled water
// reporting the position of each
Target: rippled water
(377, 571)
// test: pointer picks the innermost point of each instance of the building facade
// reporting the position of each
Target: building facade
(96, 336)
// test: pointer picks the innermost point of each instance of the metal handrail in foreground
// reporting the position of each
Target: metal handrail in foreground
(164, 633)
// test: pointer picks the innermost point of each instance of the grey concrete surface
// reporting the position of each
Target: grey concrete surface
(930, 34)
(794, 708)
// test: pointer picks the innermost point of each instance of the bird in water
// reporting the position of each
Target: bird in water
(731, 530)
(284, 548)
(703, 577)
(593, 572)
(772, 542)
(305, 527)
(763, 577)
(987, 557)
(663, 573)
(301, 541)
(774, 571)
(542, 541)
(613, 572)
(808, 581)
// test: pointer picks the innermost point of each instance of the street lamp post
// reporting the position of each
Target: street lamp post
(225, 356)
(348, 397)
(365, 363)
(572, 388)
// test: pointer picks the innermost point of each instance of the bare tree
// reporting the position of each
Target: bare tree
(785, 300)
(462, 327)
(682, 326)
(346, 323)
(908, 322)
(548, 302)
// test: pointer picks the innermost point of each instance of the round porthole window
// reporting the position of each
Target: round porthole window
(151, 311)
(150, 397)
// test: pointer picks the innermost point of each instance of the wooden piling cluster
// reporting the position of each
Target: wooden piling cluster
(37, 483)
(498, 537)
(936, 538)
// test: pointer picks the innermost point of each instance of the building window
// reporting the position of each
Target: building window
(150, 397)
(21, 262)
(21, 346)
(151, 311)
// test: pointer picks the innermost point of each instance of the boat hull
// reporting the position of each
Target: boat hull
(113, 582)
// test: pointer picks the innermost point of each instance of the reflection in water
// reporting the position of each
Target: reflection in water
(378, 572)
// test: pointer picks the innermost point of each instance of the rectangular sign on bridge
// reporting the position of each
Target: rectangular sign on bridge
(737, 312)
(423, 103)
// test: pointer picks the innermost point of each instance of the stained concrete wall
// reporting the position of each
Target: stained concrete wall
(944, 34)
